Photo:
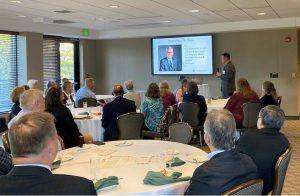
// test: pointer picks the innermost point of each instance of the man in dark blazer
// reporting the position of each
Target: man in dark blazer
(169, 63)
(67, 90)
(192, 96)
(266, 144)
(226, 167)
(31, 174)
(113, 110)
(227, 76)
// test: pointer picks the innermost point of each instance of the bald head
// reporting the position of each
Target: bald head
(118, 90)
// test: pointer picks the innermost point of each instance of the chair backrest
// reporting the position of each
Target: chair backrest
(189, 113)
(91, 102)
(180, 132)
(5, 142)
(252, 187)
(250, 111)
(3, 125)
(279, 98)
(280, 171)
(174, 114)
(130, 126)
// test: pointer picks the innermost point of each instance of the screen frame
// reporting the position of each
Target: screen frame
(182, 35)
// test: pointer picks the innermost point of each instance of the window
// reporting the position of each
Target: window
(8, 69)
(60, 59)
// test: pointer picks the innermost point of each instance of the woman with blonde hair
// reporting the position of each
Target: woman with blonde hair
(269, 95)
(167, 96)
(243, 95)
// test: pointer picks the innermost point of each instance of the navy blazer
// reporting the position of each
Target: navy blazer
(200, 100)
(221, 173)
(111, 112)
(35, 180)
(164, 65)
(264, 146)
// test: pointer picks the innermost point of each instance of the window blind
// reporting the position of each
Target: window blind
(8, 69)
(51, 62)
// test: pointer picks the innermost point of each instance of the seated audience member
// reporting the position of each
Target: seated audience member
(33, 141)
(14, 96)
(50, 83)
(131, 94)
(269, 95)
(226, 167)
(167, 96)
(192, 96)
(152, 107)
(30, 100)
(112, 110)
(243, 95)
(68, 90)
(181, 90)
(65, 80)
(33, 84)
(5, 162)
(64, 122)
(266, 144)
(86, 91)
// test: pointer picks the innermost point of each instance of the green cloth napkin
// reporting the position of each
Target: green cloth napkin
(177, 162)
(105, 182)
(55, 164)
(157, 178)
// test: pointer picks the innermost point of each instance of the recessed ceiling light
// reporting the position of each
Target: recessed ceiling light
(194, 11)
(166, 21)
(101, 19)
(113, 6)
(15, 1)
(21, 16)
(261, 14)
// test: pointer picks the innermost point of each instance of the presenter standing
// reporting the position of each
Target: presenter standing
(227, 76)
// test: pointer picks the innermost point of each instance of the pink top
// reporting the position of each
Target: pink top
(168, 100)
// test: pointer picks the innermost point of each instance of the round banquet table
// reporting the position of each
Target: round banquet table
(131, 173)
(91, 126)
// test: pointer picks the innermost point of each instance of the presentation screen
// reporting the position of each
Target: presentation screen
(182, 55)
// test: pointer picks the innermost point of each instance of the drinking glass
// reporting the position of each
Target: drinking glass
(85, 105)
(95, 167)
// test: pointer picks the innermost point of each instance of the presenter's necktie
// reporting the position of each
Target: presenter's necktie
(171, 65)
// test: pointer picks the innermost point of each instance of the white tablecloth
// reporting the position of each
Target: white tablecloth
(133, 175)
(216, 104)
(203, 89)
(92, 126)
(106, 98)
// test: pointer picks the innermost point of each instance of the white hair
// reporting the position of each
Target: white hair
(32, 83)
(29, 98)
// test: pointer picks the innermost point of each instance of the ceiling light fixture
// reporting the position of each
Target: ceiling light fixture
(194, 11)
(261, 14)
(101, 19)
(166, 21)
(113, 6)
(15, 1)
(21, 16)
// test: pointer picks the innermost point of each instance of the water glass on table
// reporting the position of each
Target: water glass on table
(95, 166)
(85, 105)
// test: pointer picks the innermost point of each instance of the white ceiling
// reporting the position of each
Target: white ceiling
(140, 14)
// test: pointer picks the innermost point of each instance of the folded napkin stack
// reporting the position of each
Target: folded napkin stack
(55, 164)
(176, 162)
(158, 178)
(106, 182)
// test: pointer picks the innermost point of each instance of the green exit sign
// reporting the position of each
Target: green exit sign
(85, 32)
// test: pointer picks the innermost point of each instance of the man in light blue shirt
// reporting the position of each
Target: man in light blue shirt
(86, 91)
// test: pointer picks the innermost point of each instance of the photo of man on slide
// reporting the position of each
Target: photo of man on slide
(170, 63)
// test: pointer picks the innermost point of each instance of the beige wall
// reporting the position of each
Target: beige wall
(255, 54)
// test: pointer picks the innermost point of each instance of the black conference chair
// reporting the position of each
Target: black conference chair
(280, 171)
(252, 187)
(180, 132)
(250, 112)
(189, 113)
(130, 126)
(91, 102)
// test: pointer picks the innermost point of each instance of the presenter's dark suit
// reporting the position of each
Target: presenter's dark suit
(65, 125)
(221, 173)
(264, 146)
(111, 112)
(228, 80)
(165, 65)
(66, 98)
(200, 100)
(35, 180)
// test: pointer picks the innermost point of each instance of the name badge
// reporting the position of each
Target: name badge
(223, 71)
